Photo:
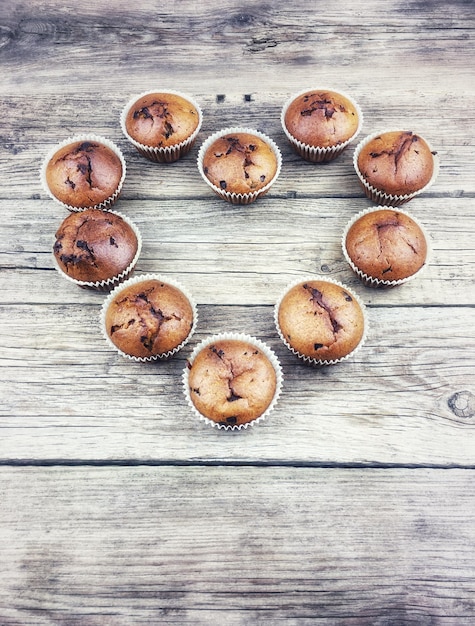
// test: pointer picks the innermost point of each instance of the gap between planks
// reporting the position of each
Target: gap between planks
(231, 463)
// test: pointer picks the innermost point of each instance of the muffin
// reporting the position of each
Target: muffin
(232, 381)
(148, 318)
(96, 249)
(394, 166)
(385, 246)
(162, 125)
(320, 123)
(84, 172)
(239, 164)
(320, 321)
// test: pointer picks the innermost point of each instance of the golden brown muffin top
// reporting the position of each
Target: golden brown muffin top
(321, 118)
(232, 382)
(161, 120)
(396, 162)
(386, 244)
(240, 163)
(321, 320)
(94, 245)
(149, 318)
(84, 173)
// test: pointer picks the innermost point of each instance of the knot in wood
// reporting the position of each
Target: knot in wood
(462, 404)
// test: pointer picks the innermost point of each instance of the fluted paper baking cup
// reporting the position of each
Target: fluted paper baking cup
(134, 281)
(317, 154)
(304, 357)
(260, 345)
(111, 282)
(239, 198)
(371, 281)
(162, 154)
(387, 199)
(105, 204)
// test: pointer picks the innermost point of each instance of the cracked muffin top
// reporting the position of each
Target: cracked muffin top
(148, 318)
(239, 163)
(396, 162)
(321, 118)
(231, 382)
(94, 245)
(320, 320)
(386, 244)
(161, 119)
(84, 174)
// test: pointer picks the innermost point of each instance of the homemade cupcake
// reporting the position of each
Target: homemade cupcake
(162, 125)
(320, 123)
(394, 166)
(239, 164)
(85, 171)
(148, 317)
(320, 321)
(96, 249)
(232, 381)
(385, 246)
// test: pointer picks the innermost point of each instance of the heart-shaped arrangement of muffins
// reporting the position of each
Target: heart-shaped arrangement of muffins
(234, 381)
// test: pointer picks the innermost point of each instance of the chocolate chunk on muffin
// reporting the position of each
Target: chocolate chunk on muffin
(232, 381)
(385, 246)
(147, 318)
(96, 249)
(82, 173)
(394, 166)
(320, 321)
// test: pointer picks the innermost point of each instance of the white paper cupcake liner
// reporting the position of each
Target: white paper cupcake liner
(239, 198)
(240, 337)
(371, 281)
(314, 153)
(105, 204)
(133, 281)
(380, 197)
(306, 358)
(165, 154)
(109, 283)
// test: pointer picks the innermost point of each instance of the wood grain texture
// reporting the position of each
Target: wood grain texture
(29, 132)
(243, 255)
(72, 397)
(230, 43)
(237, 546)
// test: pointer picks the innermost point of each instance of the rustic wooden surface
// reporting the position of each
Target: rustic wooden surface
(354, 502)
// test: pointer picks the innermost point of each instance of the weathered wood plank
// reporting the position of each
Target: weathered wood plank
(407, 397)
(46, 47)
(242, 255)
(237, 546)
(29, 133)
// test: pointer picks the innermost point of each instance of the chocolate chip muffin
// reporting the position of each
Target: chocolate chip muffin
(320, 123)
(85, 172)
(320, 321)
(96, 249)
(385, 246)
(147, 318)
(232, 381)
(162, 125)
(394, 166)
(239, 164)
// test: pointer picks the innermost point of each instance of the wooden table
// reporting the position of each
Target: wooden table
(353, 503)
